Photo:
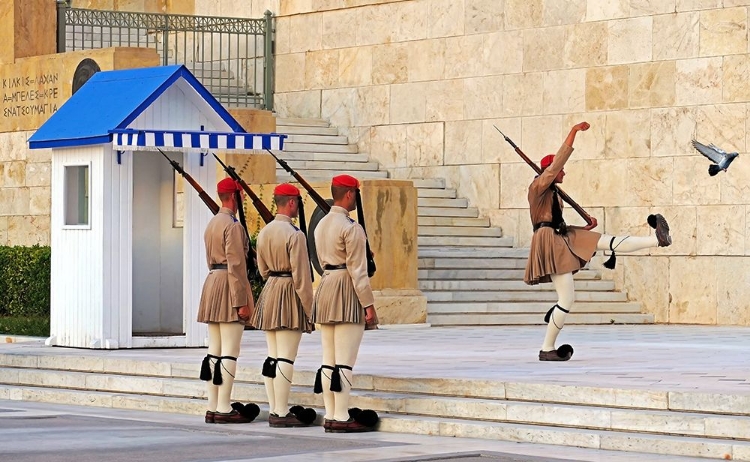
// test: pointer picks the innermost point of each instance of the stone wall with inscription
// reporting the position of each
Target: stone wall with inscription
(31, 90)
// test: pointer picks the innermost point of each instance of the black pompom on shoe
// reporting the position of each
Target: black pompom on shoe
(249, 411)
(305, 415)
(368, 418)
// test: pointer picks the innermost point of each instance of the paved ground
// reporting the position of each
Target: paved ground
(654, 357)
(31, 432)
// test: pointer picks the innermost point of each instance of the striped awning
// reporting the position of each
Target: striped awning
(130, 139)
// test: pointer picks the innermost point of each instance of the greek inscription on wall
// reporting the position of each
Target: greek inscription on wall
(30, 95)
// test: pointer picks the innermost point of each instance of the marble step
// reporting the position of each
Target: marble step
(95, 362)
(452, 221)
(490, 319)
(135, 392)
(322, 157)
(314, 147)
(536, 309)
(441, 193)
(469, 274)
(301, 121)
(470, 212)
(324, 176)
(479, 295)
(438, 202)
(613, 440)
(472, 264)
(713, 448)
(451, 284)
(317, 139)
(429, 183)
(306, 165)
(465, 241)
(462, 252)
(306, 130)
(459, 231)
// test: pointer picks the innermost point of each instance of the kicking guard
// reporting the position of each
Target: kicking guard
(558, 251)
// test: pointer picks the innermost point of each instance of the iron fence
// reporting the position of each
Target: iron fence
(232, 57)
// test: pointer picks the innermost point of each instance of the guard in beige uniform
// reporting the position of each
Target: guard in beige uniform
(343, 305)
(558, 251)
(226, 304)
(285, 305)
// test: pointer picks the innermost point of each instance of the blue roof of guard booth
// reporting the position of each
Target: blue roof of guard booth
(111, 100)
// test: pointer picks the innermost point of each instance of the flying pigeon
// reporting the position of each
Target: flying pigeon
(720, 158)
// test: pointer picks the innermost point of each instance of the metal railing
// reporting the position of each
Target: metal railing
(232, 57)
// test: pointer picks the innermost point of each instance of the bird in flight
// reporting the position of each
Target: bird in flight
(720, 159)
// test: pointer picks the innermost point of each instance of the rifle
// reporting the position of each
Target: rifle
(326, 207)
(213, 206)
(263, 211)
(563, 195)
(317, 198)
(252, 271)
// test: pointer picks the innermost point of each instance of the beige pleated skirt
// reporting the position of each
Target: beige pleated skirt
(336, 301)
(552, 253)
(279, 307)
(215, 305)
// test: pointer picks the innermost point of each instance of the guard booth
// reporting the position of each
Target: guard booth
(128, 257)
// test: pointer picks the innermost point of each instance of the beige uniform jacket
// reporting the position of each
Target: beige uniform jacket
(285, 302)
(225, 289)
(343, 293)
(550, 252)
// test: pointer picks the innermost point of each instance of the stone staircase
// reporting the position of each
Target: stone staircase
(214, 75)
(655, 422)
(469, 272)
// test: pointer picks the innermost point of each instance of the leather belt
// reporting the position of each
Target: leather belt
(544, 224)
(334, 267)
(280, 274)
(561, 228)
(218, 266)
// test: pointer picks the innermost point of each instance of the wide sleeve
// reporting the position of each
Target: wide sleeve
(545, 179)
(300, 261)
(356, 263)
(239, 292)
(261, 252)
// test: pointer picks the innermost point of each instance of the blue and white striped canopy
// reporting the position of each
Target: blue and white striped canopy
(131, 139)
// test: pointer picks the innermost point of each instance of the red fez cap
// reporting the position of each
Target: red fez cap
(285, 189)
(227, 185)
(345, 181)
(547, 160)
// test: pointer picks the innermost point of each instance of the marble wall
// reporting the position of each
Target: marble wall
(419, 84)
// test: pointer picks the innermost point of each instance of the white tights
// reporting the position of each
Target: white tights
(565, 287)
(340, 347)
(223, 340)
(282, 344)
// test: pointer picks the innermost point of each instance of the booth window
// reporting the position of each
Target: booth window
(76, 195)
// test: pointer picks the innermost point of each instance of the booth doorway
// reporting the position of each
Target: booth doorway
(157, 246)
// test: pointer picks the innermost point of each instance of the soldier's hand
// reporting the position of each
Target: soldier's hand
(583, 126)
(591, 226)
(243, 313)
(371, 318)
